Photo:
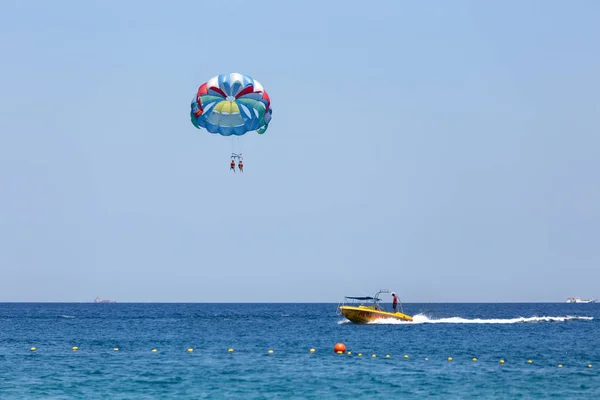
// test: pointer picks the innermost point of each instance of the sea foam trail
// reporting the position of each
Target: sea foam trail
(423, 319)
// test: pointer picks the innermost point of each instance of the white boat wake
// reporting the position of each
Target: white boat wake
(424, 319)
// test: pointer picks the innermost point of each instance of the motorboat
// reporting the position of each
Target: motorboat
(580, 300)
(362, 310)
(99, 300)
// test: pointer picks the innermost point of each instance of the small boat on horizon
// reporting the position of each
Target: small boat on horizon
(368, 309)
(99, 300)
(580, 300)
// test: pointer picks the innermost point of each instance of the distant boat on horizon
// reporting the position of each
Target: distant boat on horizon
(99, 300)
(580, 300)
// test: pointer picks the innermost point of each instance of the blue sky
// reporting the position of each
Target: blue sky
(449, 151)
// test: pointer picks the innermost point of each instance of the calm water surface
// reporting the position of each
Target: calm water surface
(546, 334)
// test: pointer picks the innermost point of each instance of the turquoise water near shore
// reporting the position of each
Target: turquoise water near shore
(547, 334)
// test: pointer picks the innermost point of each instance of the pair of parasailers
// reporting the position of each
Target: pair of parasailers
(240, 166)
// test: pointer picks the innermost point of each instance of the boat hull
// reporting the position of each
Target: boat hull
(364, 315)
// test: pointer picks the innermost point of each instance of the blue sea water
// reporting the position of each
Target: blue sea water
(546, 334)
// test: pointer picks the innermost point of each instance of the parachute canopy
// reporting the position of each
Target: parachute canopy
(231, 104)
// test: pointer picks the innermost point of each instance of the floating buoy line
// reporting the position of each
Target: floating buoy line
(340, 349)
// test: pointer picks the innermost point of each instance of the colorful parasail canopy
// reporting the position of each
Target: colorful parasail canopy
(231, 104)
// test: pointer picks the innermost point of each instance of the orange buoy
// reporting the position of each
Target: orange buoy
(339, 347)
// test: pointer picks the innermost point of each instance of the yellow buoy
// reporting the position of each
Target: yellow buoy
(116, 349)
(33, 349)
(387, 356)
(589, 365)
(360, 354)
(339, 352)
(312, 350)
(230, 350)
(190, 350)
(474, 358)
(405, 356)
(374, 356)
(559, 365)
(154, 350)
(449, 358)
(501, 361)
(529, 361)
(426, 358)
(270, 351)
(75, 348)
(349, 353)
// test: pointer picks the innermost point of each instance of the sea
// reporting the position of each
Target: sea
(286, 351)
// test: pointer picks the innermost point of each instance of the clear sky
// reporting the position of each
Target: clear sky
(448, 150)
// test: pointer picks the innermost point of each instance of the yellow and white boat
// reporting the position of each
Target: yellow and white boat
(368, 309)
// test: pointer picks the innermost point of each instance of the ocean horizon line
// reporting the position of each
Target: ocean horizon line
(276, 302)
